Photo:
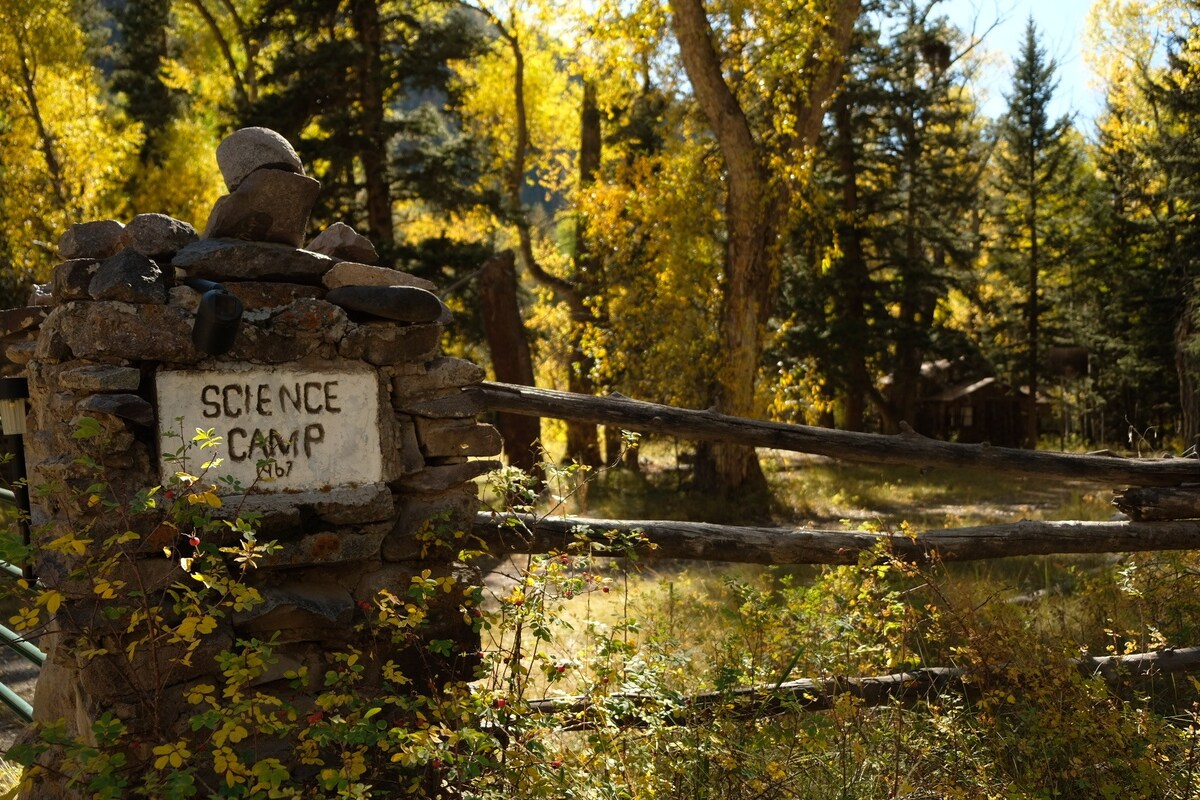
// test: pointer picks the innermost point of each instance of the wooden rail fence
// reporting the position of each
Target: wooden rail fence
(1160, 496)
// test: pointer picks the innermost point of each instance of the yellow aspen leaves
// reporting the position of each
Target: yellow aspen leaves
(208, 498)
(171, 755)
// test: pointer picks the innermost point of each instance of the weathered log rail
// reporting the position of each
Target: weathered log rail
(908, 448)
(821, 694)
(507, 534)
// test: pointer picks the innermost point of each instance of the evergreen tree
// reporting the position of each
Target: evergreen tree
(364, 90)
(1035, 179)
(1134, 302)
(903, 164)
(1177, 94)
(143, 28)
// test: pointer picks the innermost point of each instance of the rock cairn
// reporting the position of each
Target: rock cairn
(117, 314)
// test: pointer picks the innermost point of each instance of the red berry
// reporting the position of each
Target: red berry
(500, 702)
(194, 541)
(315, 717)
(561, 668)
(556, 764)
(436, 763)
(604, 589)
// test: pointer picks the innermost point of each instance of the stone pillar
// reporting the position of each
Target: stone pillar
(334, 380)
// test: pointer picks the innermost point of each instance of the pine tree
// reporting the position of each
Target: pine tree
(903, 160)
(1036, 167)
(143, 49)
(1177, 92)
(364, 90)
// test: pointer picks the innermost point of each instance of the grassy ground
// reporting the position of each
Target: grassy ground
(707, 625)
(817, 491)
(809, 491)
(711, 621)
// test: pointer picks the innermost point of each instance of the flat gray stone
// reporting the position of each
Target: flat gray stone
(446, 438)
(441, 478)
(249, 149)
(385, 343)
(438, 376)
(18, 320)
(101, 378)
(349, 273)
(330, 547)
(398, 303)
(270, 205)
(353, 505)
(70, 280)
(259, 295)
(99, 239)
(108, 330)
(456, 404)
(129, 277)
(157, 235)
(341, 241)
(336, 505)
(126, 406)
(232, 260)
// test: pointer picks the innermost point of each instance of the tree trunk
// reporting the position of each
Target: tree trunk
(1187, 365)
(850, 303)
(374, 151)
(509, 346)
(1033, 309)
(749, 230)
(583, 440)
(910, 352)
(46, 141)
(753, 205)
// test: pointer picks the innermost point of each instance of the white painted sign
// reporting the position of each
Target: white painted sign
(282, 429)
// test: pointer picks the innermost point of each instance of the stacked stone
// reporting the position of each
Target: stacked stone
(120, 313)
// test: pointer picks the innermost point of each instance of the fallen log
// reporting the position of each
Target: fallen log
(702, 541)
(1159, 503)
(907, 448)
(639, 710)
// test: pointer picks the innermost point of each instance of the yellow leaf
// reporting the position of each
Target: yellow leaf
(52, 599)
(208, 498)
